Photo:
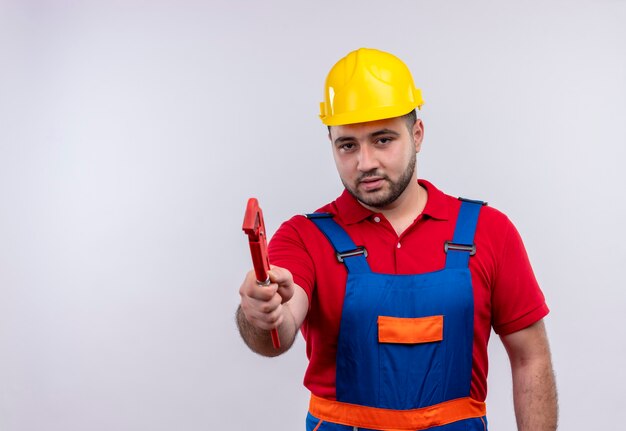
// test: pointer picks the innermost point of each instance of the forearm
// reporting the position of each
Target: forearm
(534, 395)
(260, 340)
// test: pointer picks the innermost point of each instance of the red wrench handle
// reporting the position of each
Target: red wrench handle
(254, 227)
(260, 260)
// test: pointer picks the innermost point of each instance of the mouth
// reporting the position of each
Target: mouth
(371, 183)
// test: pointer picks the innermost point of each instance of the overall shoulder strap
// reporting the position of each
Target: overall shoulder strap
(347, 252)
(462, 245)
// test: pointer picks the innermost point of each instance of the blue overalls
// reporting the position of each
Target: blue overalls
(404, 355)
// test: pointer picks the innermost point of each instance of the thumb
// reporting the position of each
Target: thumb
(283, 278)
(280, 276)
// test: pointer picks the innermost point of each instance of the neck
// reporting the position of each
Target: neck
(404, 210)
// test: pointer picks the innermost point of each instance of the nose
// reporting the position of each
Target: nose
(367, 160)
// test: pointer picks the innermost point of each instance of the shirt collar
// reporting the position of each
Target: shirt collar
(351, 211)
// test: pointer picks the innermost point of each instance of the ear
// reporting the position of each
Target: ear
(418, 134)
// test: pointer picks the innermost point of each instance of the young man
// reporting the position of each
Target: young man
(395, 285)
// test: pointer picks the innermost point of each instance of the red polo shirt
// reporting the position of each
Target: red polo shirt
(506, 293)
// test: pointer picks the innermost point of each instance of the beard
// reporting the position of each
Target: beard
(382, 198)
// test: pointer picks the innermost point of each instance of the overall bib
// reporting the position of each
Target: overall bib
(404, 354)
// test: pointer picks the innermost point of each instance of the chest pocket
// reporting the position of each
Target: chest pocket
(406, 330)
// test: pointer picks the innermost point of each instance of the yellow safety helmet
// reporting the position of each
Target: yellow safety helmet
(367, 85)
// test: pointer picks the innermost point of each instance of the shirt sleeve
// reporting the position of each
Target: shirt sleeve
(517, 300)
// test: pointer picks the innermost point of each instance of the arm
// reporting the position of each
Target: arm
(282, 305)
(534, 387)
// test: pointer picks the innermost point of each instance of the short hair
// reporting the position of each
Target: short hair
(410, 119)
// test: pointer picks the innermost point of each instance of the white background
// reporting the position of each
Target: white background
(132, 133)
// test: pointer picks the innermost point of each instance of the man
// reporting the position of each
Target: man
(395, 285)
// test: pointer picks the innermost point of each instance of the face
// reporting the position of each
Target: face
(376, 160)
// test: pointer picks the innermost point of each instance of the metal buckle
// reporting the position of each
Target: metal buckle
(318, 215)
(449, 245)
(357, 251)
(483, 203)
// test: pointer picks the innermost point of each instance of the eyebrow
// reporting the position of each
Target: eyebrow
(384, 132)
(375, 134)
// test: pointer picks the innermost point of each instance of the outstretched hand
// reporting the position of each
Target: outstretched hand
(263, 305)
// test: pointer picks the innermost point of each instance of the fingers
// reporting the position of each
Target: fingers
(283, 278)
(264, 314)
(280, 275)
(261, 305)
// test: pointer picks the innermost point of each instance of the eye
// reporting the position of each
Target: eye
(384, 140)
(347, 147)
